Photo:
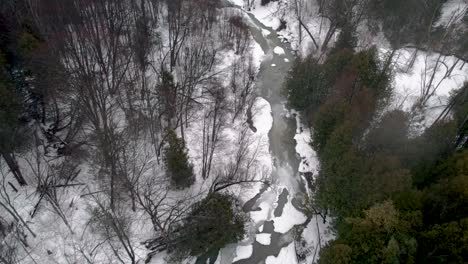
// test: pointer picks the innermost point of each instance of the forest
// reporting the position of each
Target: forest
(233, 131)
(396, 193)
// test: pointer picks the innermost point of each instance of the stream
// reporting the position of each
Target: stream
(286, 181)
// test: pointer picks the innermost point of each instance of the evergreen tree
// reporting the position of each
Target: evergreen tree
(304, 85)
(178, 167)
(211, 225)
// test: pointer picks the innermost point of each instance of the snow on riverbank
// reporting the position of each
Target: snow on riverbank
(259, 147)
(243, 252)
(286, 255)
(316, 235)
(275, 12)
(266, 14)
(288, 219)
(237, 2)
(257, 54)
(309, 160)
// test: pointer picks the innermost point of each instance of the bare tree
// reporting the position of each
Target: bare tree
(242, 85)
(299, 8)
(239, 170)
(8, 204)
(135, 160)
(114, 226)
(95, 48)
(165, 210)
(178, 19)
(213, 123)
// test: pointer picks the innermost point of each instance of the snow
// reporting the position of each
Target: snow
(55, 236)
(266, 206)
(452, 12)
(286, 255)
(160, 258)
(265, 32)
(265, 14)
(309, 160)
(237, 2)
(367, 40)
(257, 54)
(263, 214)
(298, 37)
(264, 239)
(409, 83)
(278, 50)
(243, 252)
(262, 118)
(288, 219)
(316, 235)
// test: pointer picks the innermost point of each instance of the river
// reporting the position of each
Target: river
(286, 181)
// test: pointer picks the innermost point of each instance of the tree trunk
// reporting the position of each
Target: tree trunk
(13, 166)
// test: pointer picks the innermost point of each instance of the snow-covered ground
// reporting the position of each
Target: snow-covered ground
(452, 12)
(265, 14)
(309, 160)
(286, 255)
(243, 252)
(74, 241)
(432, 77)
(58, 242)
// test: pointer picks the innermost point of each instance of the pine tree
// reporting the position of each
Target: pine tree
(178, 167)
(212, 224)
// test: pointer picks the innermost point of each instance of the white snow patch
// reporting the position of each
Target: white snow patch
(237, 2)
(286, 60)
(263, 214)
(452, 12)
(257, 54)
(273, 65)
(288, 219)
(410, 83)
(278, 50)
(243, 252)
(309, 160)
(265, 14)
(262, 118)
(265, 32)
(316, 231)
(160, 258)
(286, 255)
(264, 238)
